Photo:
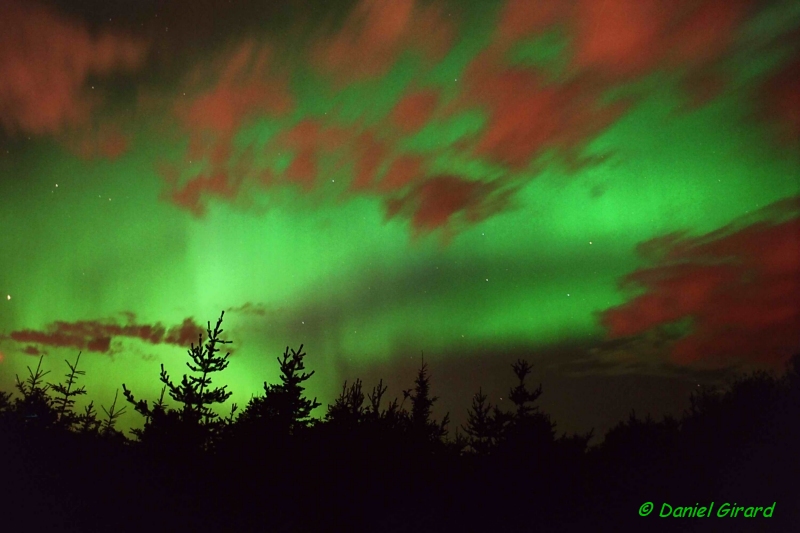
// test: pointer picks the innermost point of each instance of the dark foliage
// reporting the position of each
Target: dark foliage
(482, 428)
(282, 411)
(195, 425)
(36, 407)
(423, 427)
(372, 466)
(65, 401)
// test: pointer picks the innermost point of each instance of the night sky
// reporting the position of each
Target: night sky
(608, 188)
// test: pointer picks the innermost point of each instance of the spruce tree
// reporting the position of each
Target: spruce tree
(481, 425)
(5, 402)
(107, 427)
(196, 421)
(520, 395)
(348, 408)
(283, 409)
(526, 429)
(393, 419)
(65, 402)
(194, 392)
(87, 422)
(35, 407)
(422, 425)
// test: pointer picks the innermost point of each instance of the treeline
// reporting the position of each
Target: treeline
(371, 464)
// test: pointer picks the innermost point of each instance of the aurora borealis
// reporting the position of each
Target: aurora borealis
(610, 188)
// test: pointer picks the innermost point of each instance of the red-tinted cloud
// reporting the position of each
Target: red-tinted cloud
(402, 172)
(412, 112)
(522, 18)
(369, 153)
(739, 287)
(214, 103)
(615, 41)
(531, 111)
(191, 194)
(780, 101)
(96, 336)
(376, 33)
(529, 114)
(242, 88)
(310, 140)
(249, 308)
(618, 39)
(105, 141)
(448, 202)
(45, 62)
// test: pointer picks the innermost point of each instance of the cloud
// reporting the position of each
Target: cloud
(214, 102)
(500, 121)
(46, 61)
(530, 114)
(617, 41)
(780, 101)
(520, 19)
(249, 308)
(623, 38)
(738, 287)
(376, 33)
(414, 109)
(103, 140)
(97, 335)
(447, 201)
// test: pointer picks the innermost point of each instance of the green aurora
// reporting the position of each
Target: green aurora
(376, 207)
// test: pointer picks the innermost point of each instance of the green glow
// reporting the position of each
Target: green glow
(328, 267)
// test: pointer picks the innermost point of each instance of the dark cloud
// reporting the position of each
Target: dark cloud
(214, 101)
(780, 102)
(97, 336)
(529, 114)
(414, 110)
(738, 286)
(623, 38)
(213, 70)
(46, 62)
(376, 33)
(449, 201)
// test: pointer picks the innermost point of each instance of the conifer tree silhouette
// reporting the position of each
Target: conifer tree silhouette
(481, 428)
(375, 398)
(198, 422)
(107, 427)
(65, 403)
(5, 402)
(282, 410)
(6, 412)
(520, 394)
(348, 408)
(526, 427)
(35, 407)
(87, 423)
(422, 426)
(393, 419)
